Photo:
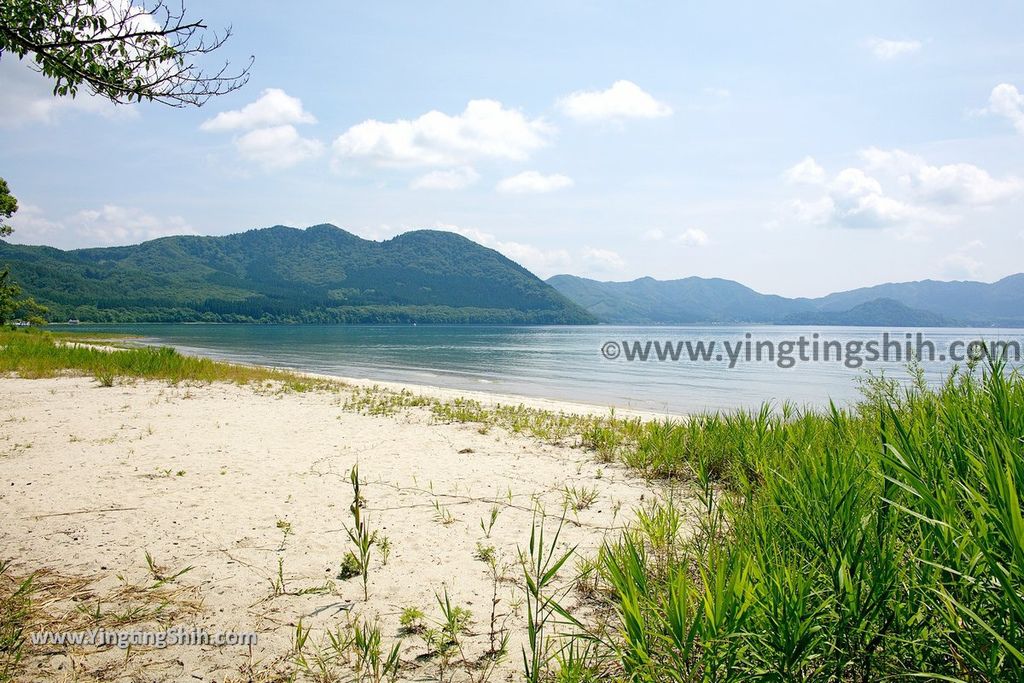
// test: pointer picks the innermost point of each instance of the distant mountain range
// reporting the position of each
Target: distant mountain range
(280, 274)
(324, 274)
(927, 303)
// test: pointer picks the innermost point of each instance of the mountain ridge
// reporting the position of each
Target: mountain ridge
(323, 274)
(717, 300)
(283, 274)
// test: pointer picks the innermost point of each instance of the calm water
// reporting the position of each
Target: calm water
(556, 362)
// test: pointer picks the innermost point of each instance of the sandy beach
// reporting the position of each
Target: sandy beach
(250, 488)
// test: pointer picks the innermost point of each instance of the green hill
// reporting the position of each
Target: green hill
(321, 274)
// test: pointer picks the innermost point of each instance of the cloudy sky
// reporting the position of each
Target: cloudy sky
(799, 148)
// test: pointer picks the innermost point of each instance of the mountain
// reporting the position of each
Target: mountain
(691, 300)
(874, 313)
(998, 303)
(701, 300)
(282, 274)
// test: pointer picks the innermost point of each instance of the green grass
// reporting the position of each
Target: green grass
(15, 602)
(35, 354)
(881, 542)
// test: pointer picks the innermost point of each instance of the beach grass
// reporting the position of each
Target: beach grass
(881, 542)
(32, 353)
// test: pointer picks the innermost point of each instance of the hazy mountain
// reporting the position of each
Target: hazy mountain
(320, 274)
(690, 300)
(877, 312)
(998, 303)
(700, 300)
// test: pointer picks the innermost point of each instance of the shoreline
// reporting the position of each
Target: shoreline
(484, 397)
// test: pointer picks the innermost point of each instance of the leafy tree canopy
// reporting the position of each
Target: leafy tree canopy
(12, 306)
(8, 205)
(122, 50)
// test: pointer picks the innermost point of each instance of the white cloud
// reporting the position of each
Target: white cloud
(107, 226)
(603, 259)
(31, 226)
(1006, 100)
(532, 181)
(27, 97)
(270, 139)
(114, 224)
(891, 49)
(894, 188)
(961, 263)
(946, 184)
(454, 179)
(277, 147)
(486, 129)
(274, 107)
(813, 212)
(807, 171)
(623, 100)
(692, 237)
(961, 266)
(543, 262)
(858, 201)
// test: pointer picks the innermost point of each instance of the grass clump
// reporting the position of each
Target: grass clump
(354, 647)
(881, 542)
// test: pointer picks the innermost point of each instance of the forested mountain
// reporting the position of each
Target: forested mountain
(282, 274)
(701, 300)
(690, 300)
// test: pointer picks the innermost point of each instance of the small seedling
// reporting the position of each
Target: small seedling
(285, 527)
(487, 526)
(159, 573)
(485, 553)
(383, 544)
(443, 515)
(412, 620)
(359, 534)
(579, 498)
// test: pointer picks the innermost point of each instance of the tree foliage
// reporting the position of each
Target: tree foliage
(13, 307)
(8, 205)
(118, 49)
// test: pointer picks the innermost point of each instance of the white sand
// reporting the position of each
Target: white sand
(91, 478)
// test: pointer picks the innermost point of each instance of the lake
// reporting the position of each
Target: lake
(579, 363)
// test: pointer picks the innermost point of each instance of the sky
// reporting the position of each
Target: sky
(797, 147)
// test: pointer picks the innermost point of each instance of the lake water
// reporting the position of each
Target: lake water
(570, 363)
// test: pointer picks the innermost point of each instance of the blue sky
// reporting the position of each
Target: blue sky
(799, 148)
